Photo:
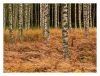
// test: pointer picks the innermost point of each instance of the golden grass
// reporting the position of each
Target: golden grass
(33, 55)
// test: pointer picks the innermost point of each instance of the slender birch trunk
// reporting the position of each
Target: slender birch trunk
(35, 14)
(20, 21)
(4, 15)
(75, 17)
(69, 16)
(65, 30)
(26, 15)
(80, 9)
(31, 22)
(42, 18)
(46, 21)
(29, 10)
(10, 25)
(86, 19)
(52, 15)
(56, 16)
(90, 16)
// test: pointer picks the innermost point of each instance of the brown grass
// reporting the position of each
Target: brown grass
(33, 54)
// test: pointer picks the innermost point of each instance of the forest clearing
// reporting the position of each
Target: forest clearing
(49, 37)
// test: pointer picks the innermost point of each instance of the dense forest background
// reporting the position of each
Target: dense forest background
(31, 15)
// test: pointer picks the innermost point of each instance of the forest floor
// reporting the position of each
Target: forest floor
(33, 54)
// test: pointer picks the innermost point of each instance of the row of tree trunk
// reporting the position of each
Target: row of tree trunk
(31, 15)
(21, 16)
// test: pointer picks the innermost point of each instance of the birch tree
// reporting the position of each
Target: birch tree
(65, 30)
(4, 15)
(35, 14)
(90, 16)
(52, 15)
(13, 14)
(86, 19)
(55, 15)
(69, 16)
(29, 10)
(80, 9)
(38, 15)
(10, 24)
(46, 21)
(58, 15)
(93, 20)
(20, 21)
(26, 16)
(42, 17)
(75, 17)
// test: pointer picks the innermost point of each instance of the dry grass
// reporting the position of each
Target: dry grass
(33, 54)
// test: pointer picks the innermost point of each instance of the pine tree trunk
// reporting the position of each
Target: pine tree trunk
(86, 19)
(65, 30)
(80, 9)
(20, 22)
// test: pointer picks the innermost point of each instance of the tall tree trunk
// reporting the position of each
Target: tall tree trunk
(26, 16)
(52, 15)
(36, 15)
(31, 15)
(20, 21)
(4, 16)
(69, 16)
(42, 17)
(13, 14)
(86, 19)
(80, 9)
(58, 15)
(10, 24)
(65, 30)
(46, 21)
(16, 16)
(29, 9)
(94, 9)
(90, 18)
(75, 17)
(55, 15)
